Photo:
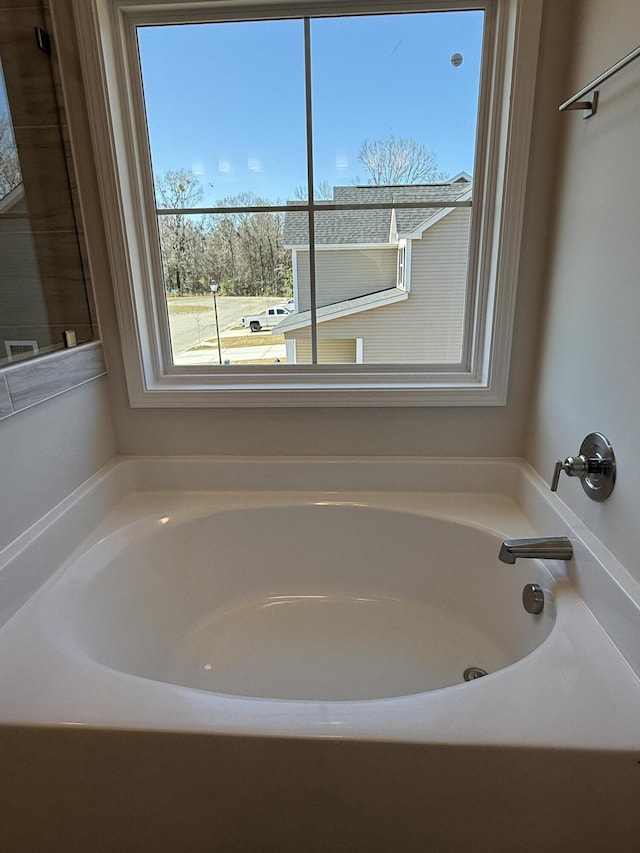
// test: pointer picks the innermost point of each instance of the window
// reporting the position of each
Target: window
(402, 265)
(282, 182)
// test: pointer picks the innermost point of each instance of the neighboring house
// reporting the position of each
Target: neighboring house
(390, 284)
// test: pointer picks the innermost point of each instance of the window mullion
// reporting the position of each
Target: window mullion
(310, 178)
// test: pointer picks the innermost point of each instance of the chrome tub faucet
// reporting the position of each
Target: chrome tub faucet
(553, 548)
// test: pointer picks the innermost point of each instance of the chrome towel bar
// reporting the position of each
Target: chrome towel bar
(590, 105)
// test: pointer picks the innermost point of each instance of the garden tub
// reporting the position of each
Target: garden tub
(351, 598)
(272, 655)
(326, 600)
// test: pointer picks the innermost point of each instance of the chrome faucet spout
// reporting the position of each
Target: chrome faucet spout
(554, 548)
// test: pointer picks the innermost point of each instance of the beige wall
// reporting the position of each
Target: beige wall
(49, 450)
(590, 345)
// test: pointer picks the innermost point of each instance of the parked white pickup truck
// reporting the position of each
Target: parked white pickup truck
(271, 317)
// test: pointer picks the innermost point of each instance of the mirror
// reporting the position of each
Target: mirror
(44, 298)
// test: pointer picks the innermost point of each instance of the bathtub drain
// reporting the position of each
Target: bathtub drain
(474, 672)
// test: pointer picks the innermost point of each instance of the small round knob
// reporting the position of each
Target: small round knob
(533, 598)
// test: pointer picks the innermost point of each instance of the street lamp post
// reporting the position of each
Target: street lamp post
(213, 287)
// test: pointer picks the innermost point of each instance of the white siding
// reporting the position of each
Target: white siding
(329, 351)
(428, 326)
(346, 273)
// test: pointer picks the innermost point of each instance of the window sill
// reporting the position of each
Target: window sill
(333, 387)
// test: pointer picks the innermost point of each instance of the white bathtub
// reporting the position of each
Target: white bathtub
(338, 599)
(313, 600)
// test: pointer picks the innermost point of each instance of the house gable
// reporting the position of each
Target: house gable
(337, 227)
(365, 265)
(433, 218)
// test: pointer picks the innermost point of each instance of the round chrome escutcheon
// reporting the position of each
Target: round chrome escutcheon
(599, 484)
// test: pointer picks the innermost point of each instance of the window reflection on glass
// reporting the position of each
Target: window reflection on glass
(10, 176)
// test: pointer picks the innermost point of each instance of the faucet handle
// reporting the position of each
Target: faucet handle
(595, 466)
(575, 466)
(559, 468)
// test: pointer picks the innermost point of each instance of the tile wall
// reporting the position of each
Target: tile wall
(43, 277)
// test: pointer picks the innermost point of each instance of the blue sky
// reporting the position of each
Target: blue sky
(227, 100)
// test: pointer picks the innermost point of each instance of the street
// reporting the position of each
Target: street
(192, 318)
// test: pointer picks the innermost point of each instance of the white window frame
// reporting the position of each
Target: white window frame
(115, 109)
(401, 276)
(404, 265)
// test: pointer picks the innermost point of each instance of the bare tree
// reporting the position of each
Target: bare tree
(250, 255)
(399, 161)
(178, 188)
(10, 175)
(242, 250)
(181, 234)
(321, 192)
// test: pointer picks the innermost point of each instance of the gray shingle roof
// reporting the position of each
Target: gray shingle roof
(346, 227)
